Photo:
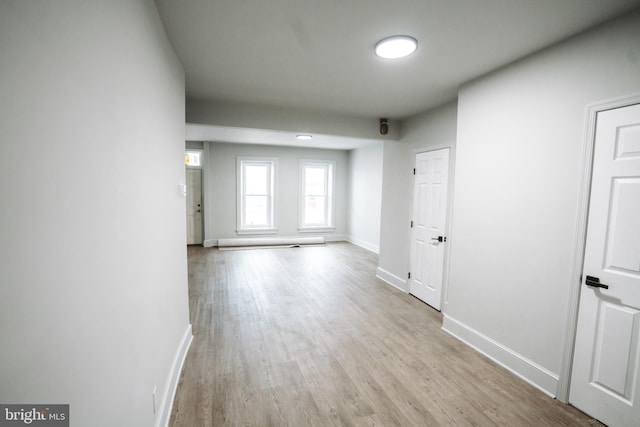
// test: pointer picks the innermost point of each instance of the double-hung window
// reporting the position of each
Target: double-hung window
(256, 187)
(316, 195)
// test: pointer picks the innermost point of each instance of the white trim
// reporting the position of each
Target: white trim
(392, 279)
(249, 231)
(364, 245)
(580, 236)
(166, 405)
(320, 229)
(519, 365)
(269, 241)
(434, 147)
(335, 237)
(327, 237)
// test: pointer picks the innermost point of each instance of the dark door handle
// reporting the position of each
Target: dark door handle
(439, 239)
(595, 282)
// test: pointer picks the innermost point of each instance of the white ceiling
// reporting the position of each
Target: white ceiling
(318, 54)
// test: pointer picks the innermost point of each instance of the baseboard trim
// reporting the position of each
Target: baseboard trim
(166, 405)
(334, 237)
(209, 243)
(392, 279)
(529, 371)
(364, 245)
(261, 242)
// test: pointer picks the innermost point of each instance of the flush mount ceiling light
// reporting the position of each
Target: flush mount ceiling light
(304, 137)
(396, 47)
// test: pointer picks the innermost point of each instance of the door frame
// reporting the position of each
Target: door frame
(449, 216)
(204, 153)
(580, 236)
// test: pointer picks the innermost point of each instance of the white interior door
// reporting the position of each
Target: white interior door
(605, 379)
(428, 236)
(194, 206)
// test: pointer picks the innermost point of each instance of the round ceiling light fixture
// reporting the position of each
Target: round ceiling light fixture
(304, 137)
(395, 47)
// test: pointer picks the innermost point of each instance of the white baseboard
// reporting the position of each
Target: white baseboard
(243, 242)
(166, 405)
(209, 243)
(392, 279)
(529, 371)
(334, 237)
(364, 245)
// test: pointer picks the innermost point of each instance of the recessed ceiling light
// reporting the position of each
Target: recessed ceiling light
(304, 137)
(396, 47)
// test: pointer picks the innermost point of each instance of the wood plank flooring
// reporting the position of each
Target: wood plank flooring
(310, 337)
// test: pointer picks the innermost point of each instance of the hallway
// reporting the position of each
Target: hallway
(309, 336)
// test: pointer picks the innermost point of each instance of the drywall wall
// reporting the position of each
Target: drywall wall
(431, 130)
(93, 301)
(365, 196)
(519, 141)
(220, 188)
(286, 119)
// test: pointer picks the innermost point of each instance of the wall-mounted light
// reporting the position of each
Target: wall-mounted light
(304, 137)
(384, 126)
(396, 47)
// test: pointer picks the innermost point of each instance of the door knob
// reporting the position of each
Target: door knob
(595, 282)
(439, 239)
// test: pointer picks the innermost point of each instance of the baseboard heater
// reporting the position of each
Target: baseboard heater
(268, 242)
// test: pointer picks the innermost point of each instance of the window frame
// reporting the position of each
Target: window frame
(241, 226)
(330, 183)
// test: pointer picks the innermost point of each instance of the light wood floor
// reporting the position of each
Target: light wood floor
(310, 337)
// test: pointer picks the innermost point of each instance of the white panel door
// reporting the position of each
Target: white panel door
(605, 381)
(429, 225)
(194, 206)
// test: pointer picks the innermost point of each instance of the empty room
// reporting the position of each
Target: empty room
(270, 213)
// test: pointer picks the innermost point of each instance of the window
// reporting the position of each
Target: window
(193, 158)
(256, 184)
(316, 195)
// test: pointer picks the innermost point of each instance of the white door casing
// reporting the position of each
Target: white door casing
(428, 233)
(194, 206)
(605, 380)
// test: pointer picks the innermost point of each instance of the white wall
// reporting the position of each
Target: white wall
(93, 301)
(365, 196)
(520, 135)
(220, 188)
(434, 129)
